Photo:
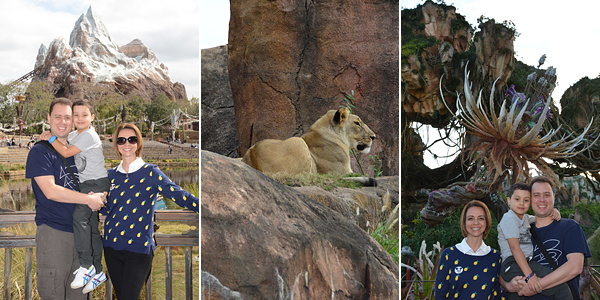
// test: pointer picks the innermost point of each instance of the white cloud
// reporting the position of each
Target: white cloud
(170, 28)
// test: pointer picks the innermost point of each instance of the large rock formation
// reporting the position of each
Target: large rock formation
(435, 43)
(292, 61)
(219, 133)
(264, 240)
(91, 57)
(579, 102)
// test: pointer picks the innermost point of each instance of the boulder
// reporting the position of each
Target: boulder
(292, 61)
(219, 133)
(263, 240)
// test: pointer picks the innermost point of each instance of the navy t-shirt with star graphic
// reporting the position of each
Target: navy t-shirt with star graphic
(41, 161)
(560, 238)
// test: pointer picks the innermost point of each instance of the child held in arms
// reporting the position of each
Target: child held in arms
(86, 146)
(516, 247)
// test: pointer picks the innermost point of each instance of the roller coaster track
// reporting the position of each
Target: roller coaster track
(25, 77)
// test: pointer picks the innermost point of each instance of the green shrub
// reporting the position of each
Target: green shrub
(448, 232)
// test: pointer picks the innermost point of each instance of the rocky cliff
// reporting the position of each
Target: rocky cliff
(581, 102)
(264, 240)
(91, 57)
(219, 133)
(292, 61)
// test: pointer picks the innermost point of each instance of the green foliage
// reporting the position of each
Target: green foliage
(590, 217)
(7, 105)
(388, 238)
(161, 108)
(327, 182)
(459, 23)
(448, 232)
(424, 272)
(376, 166)
(12, 167)
(349, 101)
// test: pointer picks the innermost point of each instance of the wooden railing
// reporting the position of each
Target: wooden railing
(187, 240)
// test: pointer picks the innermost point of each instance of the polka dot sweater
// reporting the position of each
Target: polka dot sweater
(462, 276)
(129, 210)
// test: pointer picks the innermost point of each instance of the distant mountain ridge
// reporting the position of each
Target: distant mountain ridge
(90, 56)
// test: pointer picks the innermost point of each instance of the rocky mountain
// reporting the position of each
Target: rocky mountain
(90, 56)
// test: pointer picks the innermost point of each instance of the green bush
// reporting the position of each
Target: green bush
(448, 233)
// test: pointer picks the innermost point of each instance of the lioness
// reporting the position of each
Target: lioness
(324, 148)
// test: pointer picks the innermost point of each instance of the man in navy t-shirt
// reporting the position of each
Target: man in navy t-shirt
(56, 194)
(564, 240)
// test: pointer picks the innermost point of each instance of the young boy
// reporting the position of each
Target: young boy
(85, 144)
(516, 247)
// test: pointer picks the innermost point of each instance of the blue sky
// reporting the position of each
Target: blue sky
(170, 28)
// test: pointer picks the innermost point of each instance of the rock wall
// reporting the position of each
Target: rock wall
(292, 61)
(219, 133)
(264, 240)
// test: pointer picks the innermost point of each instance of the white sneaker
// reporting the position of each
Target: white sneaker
(82, 276)
(94, 283)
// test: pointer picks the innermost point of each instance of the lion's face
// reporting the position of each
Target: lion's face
(359, 135)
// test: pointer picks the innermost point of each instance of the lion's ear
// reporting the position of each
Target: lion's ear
(341, 115)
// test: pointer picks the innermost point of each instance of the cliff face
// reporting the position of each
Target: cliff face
(292, 61)
(436, 42)
(581, 102)
(90, 56)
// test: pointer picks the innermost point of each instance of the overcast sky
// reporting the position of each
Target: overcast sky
(169, 28)
(214, 23)
(567, 34)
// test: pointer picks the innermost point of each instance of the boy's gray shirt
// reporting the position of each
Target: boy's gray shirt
(90, 161)
(512, 227)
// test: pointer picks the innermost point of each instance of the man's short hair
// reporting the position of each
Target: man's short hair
(541, 179)
(61, 100)
(518, 186)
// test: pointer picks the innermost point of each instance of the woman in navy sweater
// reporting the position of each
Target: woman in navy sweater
(128, 228)
(469, 270)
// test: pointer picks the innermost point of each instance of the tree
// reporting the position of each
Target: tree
(136, 110)
(99, 94)
(35, 107)
(7, 105)
(161, 108)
